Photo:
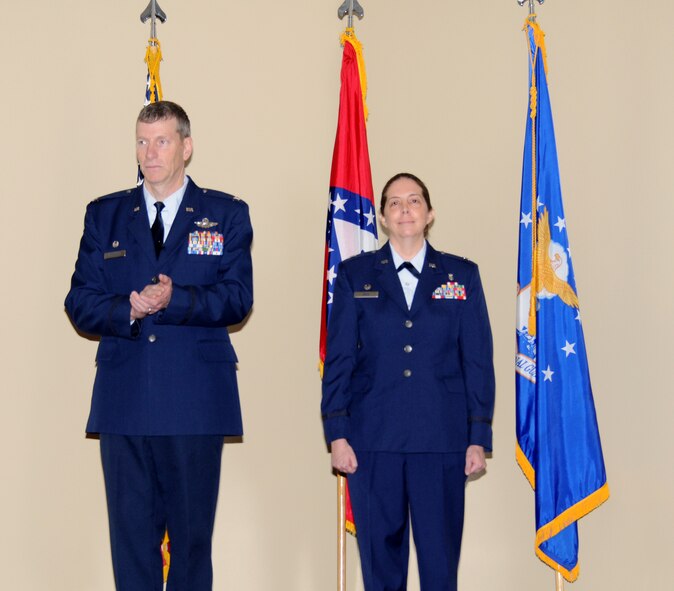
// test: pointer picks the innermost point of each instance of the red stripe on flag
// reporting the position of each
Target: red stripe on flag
(350, 171)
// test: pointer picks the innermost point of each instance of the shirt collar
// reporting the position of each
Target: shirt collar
(417, 260)
(171, 203)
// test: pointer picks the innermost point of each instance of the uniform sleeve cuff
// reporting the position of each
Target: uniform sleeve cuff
(480, 433)
(119, 317)
(180, 307)
(336, 427)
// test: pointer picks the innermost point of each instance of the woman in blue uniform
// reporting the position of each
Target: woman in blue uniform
(408, 393)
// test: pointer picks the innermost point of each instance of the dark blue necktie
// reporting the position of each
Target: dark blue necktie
(158, 229)
(410, 267)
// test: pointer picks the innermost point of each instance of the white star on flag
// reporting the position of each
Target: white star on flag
(539, 203)
(370, 218)
(331, 274)
(568, 348)
(561, 223)
(548, 374)
(338, 204)
(526, 219)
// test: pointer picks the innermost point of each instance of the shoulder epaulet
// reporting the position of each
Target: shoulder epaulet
(457, 257)
(219, 194)
(361, 255)
(117, 195)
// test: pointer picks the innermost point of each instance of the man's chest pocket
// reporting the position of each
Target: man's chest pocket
(196, 269)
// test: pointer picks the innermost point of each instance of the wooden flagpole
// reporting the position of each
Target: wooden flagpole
(348, 7)
(341, 533)
(559, 581)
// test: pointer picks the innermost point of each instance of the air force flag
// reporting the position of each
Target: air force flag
(558, 445)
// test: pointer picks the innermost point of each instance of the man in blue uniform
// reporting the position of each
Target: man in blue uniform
(408, 393)
(162, 271)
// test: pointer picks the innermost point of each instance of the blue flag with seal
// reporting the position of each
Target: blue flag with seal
(558, 445)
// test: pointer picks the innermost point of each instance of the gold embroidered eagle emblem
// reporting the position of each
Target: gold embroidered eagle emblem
(551, 270)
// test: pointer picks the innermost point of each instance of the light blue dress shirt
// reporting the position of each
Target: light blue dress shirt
(171, 206)
(407, 280)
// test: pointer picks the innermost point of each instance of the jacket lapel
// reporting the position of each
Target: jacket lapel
(139, 227)
(431, 277)
(184, 222)
(388, 276)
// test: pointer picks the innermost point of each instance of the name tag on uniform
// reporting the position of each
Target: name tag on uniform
(365, 294)
(114, 254)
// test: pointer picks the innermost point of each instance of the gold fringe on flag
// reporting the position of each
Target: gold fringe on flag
(349, 36)
(166, 555)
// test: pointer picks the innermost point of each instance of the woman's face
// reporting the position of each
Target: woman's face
(406, 214)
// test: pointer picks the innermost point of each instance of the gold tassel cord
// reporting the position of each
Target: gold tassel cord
(539, 39)
(349, 36)
(153, 58)
(533, 110)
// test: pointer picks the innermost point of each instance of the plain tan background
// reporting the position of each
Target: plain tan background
(447, 97)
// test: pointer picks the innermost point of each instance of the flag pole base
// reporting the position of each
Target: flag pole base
(341, 533)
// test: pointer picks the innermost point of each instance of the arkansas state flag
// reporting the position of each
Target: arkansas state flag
(558, 445)
(351, 226)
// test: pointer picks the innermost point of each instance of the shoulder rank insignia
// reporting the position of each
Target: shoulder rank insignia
(206, 223)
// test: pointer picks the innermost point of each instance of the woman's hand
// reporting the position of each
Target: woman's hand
(475, 460)
(343, 456)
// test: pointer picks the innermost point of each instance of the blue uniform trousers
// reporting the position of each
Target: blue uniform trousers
(157, 483)
(387, 490)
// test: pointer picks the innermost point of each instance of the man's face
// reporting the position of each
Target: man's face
(162, 154)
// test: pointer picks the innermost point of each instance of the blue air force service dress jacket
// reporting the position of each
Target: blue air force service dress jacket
(173, 372)
(409, 380)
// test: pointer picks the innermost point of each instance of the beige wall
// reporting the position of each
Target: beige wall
(447, 101)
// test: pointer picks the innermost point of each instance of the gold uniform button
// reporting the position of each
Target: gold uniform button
(152, 338)
(409, 324)
(407, 373)
(407, 348)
